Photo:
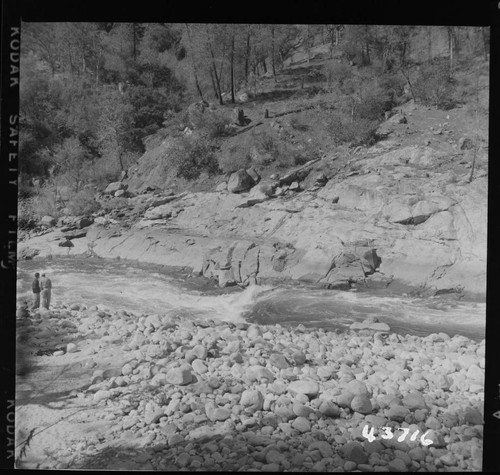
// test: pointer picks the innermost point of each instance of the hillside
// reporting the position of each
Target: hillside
(333, 173)
(277, 144)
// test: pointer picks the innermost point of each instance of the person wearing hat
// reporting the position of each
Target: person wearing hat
(46, 290)
(35, 287)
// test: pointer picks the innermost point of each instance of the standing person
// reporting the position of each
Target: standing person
(35, 287)
(46, 288)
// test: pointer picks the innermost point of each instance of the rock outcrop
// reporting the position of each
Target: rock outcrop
(240, 181)
(396, 220)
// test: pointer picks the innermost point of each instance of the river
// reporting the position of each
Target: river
(116, 285)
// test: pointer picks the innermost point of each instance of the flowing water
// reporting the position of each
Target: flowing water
(117, 285)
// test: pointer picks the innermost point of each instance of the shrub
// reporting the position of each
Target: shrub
(45, 204)
(336, 73)
(297, 123)
(359, 131)
(213, 124)
(25, 190)
(234, 158)
(26, 218)
(193, 155)
(106, 170)
(269, 150)
(435, 86)
(374, 102)
(362, 131)
(83, 203)
(393, 85)
(305, 152)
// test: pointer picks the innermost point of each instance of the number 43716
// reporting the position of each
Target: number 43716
(388, 434)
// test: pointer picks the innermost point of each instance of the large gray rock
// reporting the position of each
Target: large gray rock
(48, 221)
(254, 174)
(414, 401)
(308, 387)
(329, 409)
(361, 404)
(301, 424)
(258, 373)
(354, 452)
(215, 413)
(252, 399)
(181, 376)
(84, 222)
(159, 212)
(221, 187)
(240, 181)
(112, 188)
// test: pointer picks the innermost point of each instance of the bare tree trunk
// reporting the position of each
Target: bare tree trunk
(217, 83)
(308, 44)
(367, 46)
(216, 76)
(429, 42)
(97, 68)
(134, 42)
(403, 53)
(451, 45)
(247, 57)
(216, 92)
(272, 53)
(70, 57)
(120, 160)
(233, 100)
(406, 75)
(476, 138)
(193, 62)
(264, 65)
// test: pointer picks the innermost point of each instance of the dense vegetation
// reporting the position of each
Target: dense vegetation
(92, 92)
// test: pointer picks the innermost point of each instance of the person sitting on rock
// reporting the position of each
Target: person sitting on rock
(35, 286)
(46, 290)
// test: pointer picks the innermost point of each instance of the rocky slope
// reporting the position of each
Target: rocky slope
(158, 393)
(400, 212)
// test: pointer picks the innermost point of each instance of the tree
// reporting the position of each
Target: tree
(40, 99)
(115, 125)
(333, 33)
(40, 39)
(70, 97)
(357, 43)
(72, 161)
(193, 61)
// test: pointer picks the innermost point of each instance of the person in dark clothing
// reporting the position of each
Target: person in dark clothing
(46, 288)
(35, 287)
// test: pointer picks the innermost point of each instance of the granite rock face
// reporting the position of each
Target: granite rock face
(399, 220)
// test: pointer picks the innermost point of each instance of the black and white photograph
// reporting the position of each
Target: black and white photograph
(250, 246)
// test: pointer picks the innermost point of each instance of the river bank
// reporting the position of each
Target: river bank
(165, 392)
(152, 288)
(390, 217)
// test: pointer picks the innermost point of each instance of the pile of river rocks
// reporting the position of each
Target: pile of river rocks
(218, 396)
